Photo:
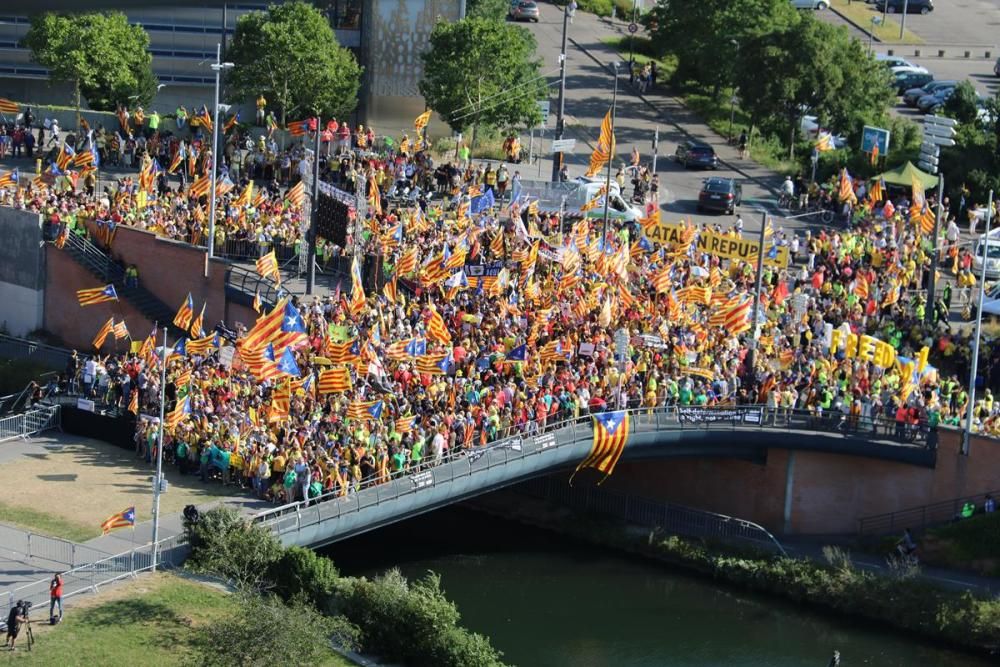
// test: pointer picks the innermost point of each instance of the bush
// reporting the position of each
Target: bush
(225, 544)
(599, 7)
(382, 606)
(265, 631)
(299, 572)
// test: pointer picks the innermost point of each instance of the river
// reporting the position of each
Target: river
(548, 602)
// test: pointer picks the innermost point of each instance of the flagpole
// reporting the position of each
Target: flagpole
(159, 450)
(929, 306)
(967, 433)
(611, 155)
(752, 348)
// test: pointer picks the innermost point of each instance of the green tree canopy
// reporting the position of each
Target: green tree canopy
(963, 105)
(810, 67)
(100, 54)
(481, 72)
(488, 9)
(290, 55)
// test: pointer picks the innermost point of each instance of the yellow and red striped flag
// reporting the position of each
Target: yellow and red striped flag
(197, 329)
(120, 330)
(405, 424)
(334, 380)
(296, 195)
(95, 295)
(200, 187)
(8, 106)
(391, 291)
(179, 413)
(182, 320)
(122, 519)
(103, 334)
(267, 266)
(408, 262)
(133, 402)
(610, 437)
(265, 329)
(436, 328)
(605, 149)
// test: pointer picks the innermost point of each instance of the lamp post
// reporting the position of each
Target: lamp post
(217, 67)
(157, 481)
(969, 413)
(611, 156)
(557, 158)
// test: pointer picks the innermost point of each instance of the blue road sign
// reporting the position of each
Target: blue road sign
(871, 136)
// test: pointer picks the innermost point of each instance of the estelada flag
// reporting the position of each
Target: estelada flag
(95, 295)
(610, 437)
(8, 106)
(334, 380)
(121, 519)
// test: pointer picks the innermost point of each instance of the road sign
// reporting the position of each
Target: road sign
(621, 343)
(543, 107)
(931, 119)
(928, 167)
(931, 150)
(939, 131)
(939, 141)
(633, 28)
(870, 136)
(563, 145)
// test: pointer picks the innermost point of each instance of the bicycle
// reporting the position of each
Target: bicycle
(785, 201)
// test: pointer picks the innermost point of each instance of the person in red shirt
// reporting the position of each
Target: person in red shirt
(55, 596)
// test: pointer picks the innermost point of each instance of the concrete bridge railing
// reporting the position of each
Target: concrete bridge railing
(662, 432)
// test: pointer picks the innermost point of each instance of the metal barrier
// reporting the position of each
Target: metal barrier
(90, 577)
(12, 347)
(920, 517)
(37, 419)
(674, 519)
(553, 436)
(26, 544)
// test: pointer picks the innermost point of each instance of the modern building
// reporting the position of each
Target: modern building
(387, 37)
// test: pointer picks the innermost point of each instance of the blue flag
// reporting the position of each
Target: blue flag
(292, 322)
(180, 347)
(287, 363)
(480, 204)
(519, 353)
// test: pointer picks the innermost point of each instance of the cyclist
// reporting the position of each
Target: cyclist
(787, 192)
(742, 142)
(907, 547)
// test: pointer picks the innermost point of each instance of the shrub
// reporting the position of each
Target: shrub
(432, 637)
(225, 544)
(299, 572)
(599, 7)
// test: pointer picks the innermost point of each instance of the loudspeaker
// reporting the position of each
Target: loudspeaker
(332, 219)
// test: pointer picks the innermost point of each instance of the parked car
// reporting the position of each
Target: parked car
(935, 99)
(720, 194)
(913, 95)
(893, 61)
(904, 81)
(991, 248)
(810, 4)
(912, 6)
(524, 10)
(694, 153)
(896, 69)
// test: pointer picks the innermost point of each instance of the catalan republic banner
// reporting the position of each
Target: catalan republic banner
(610, 437)
(720, 245)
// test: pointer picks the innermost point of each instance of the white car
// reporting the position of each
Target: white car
(991, 249)
(908, 69)
(991, 301)
(810, 4)
(894, 61)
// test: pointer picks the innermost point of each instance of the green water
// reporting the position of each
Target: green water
(548, 603)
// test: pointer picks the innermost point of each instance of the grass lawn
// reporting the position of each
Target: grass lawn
(148, 621)
(862, 13)
(73, 484)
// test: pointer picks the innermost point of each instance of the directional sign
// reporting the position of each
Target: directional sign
(939, 131)
(563, 145)
(543, 107)
(633, 28)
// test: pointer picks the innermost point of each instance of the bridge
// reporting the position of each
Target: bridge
(655, 433)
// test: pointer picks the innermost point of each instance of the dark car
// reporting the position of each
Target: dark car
(696, 154)
(912, 6)
(904, 81)
(720, 194)
(913, 95)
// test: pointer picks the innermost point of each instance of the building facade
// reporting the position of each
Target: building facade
(386, 36)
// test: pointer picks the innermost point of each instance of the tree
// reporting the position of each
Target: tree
(963, 105)
(488, 9)
(301, 572)
(224, 543)
(105, 59)
(265, 631)
(290, 55)
(707, 36)
(479, 72)
(810, 67)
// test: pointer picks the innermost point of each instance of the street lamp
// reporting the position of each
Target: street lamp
(217, 67)
(876, 20)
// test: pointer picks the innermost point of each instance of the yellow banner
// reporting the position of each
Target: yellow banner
(720, 245)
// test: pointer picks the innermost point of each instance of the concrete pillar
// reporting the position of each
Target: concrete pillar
(789, 486)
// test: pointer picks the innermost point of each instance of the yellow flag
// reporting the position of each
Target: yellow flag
(420, 122)
(605, 146)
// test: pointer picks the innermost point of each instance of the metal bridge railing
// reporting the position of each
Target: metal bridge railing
(22, 425)
(25, 544)
(537, 439)
(920, 517)
(672, 518)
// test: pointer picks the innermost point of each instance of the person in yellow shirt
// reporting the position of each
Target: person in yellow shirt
(261, 109)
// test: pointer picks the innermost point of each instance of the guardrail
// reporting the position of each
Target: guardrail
(674, 519)
(37, 419)
(90, 577)
(24, 543)
(920, 517)
(536, 439)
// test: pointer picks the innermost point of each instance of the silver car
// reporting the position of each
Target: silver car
(524, 10)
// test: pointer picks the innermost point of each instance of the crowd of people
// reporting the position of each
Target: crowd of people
(482, 325)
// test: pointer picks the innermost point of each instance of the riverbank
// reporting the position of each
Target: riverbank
(900, 601)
